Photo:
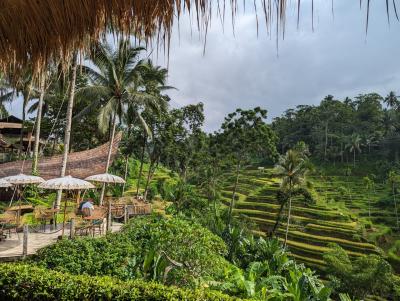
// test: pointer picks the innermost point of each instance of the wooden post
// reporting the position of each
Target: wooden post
(65, 214)
(72, 229)
(109, 216)
(25, 241)
(125, 214)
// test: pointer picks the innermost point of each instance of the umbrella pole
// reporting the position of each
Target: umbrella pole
(65, 212)
(78, 196)
(19, 207)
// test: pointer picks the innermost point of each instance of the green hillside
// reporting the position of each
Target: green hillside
(335, 217)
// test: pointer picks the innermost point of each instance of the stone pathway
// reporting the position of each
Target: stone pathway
(11, 248)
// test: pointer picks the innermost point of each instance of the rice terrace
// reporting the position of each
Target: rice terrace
(200, 150)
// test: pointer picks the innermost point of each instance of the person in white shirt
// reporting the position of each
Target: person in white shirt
(88, 206)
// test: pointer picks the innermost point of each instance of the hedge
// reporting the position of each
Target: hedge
(29, 282)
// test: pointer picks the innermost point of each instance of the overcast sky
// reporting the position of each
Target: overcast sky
(244, 71)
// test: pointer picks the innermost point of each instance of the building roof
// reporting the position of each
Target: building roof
(11, 119)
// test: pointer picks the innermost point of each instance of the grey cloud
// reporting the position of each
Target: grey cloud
(338, 58)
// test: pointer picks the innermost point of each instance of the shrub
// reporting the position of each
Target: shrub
(25, 282)
(123, 254)
(197, 248)
(365, 275)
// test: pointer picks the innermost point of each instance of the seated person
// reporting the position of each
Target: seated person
(87, 207)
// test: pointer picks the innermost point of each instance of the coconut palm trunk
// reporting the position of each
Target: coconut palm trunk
(232, 204)
(395, 205)
(26, 96)
(126, 172)
(38, 125)
(114, 126)
(141, 166)
(278, 220)
(67, 136)
(289, 211)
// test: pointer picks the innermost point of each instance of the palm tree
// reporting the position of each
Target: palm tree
(354, 145)
(391, 101)
(114, 84)
(292, 168)
(394, 180)
(389, 121)
(21, 86)
(369, 185)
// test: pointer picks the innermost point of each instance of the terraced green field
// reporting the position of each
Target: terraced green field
(335, 217)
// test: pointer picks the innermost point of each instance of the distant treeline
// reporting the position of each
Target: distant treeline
(348, 130)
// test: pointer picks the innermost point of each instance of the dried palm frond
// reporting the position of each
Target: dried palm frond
(36, 31)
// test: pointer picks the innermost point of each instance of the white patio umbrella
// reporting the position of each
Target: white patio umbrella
(66, 183)
(21, 180)
(106, 178)
(4, 183)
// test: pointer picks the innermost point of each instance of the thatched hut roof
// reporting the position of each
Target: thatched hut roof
(37, 30)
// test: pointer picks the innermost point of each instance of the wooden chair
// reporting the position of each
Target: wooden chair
(9, 221)
(43, 216)
(82, 227)
(99, 215)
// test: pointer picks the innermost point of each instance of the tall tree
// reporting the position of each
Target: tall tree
(391, 100)
(245, 134)
(114, 80)
(21, 86)
(38, 124)
(68, 123)
(394, 180)
(354, 145)
(369, 185)
(292, 169)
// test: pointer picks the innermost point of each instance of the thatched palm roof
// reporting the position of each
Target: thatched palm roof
(36, 30)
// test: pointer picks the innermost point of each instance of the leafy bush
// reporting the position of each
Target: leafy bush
(26, 282)
(198, 251)
(365, 275)
(108, 255)
(272, 276)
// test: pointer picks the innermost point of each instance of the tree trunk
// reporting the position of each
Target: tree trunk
(38, 124)
(326, 140)
(54, 144)
(67, 136)
(278, 219)
(369, 206)
(289, 212)
(354, 158)
(126, 173)
(341, 151)
(114, 125)
(141, 166)
(395, 206)
(150, 174)
(21, 136)
(232, 204)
